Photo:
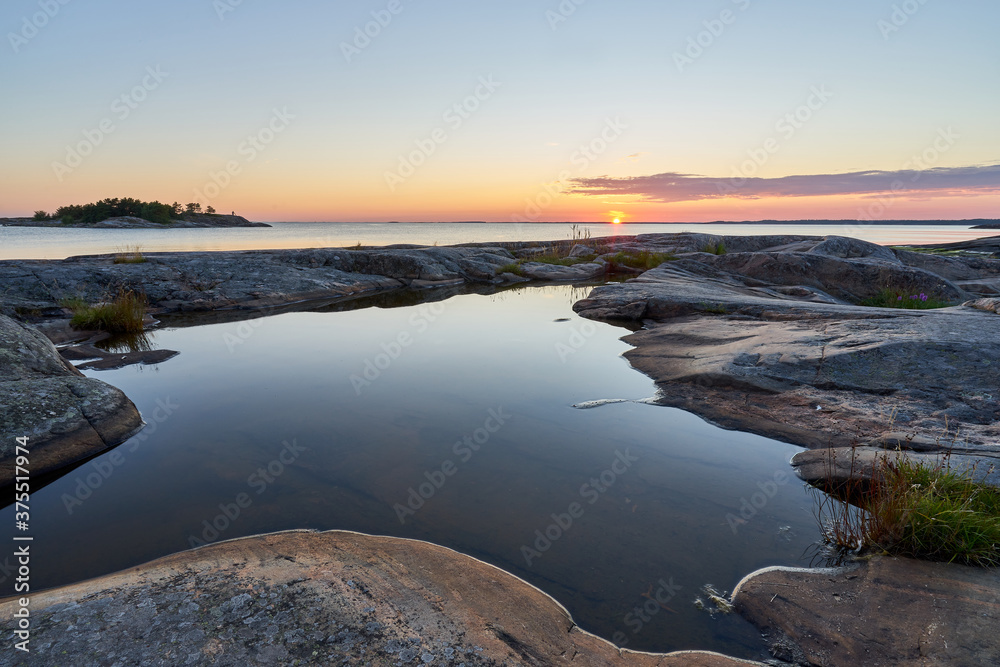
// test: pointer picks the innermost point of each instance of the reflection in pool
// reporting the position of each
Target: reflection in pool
(449, 421)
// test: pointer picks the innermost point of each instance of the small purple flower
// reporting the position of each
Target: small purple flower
(914, 297)
(900, 298)
(923, 297)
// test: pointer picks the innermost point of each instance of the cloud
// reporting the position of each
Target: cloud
(674, 187)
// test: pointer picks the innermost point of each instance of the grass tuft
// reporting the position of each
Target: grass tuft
(513, 267)
(895, 298)
(73, 302)
(641, 260)
(122, 314)
(918, 511)
(717, 248)
(579, 235)
(130, 254)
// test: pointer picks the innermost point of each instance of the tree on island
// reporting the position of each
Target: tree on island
(113, 208)
(154, 211)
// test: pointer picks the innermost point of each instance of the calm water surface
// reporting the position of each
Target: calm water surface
(239, 391)
(45, 243)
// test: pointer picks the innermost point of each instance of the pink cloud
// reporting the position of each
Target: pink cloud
(675, 187)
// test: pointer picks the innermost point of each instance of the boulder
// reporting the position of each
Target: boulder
(65, 416)
(848, 248)
(851, 279)
(947, 267)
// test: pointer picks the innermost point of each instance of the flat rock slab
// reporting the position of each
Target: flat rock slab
(65, 416)
(94, 358)
(316, 598)
(820, 382)
(555, 272)
(736, 340)
(201, 281)
(887, 611)
(838, 466)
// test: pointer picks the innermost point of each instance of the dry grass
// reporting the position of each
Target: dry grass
(130, 254)
(122, 314)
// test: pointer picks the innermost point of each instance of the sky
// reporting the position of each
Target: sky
(505, 110)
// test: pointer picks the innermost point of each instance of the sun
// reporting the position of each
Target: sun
(617, 221)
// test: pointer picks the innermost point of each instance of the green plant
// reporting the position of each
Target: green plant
(896, 298)
(919, 511)
(130, 254)
(73, 302)
(717, 248)
(642, 259)
(122, 314)
(41, 216)
(513, 267)
(716, 309)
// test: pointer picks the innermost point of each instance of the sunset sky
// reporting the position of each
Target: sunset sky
(583, 110)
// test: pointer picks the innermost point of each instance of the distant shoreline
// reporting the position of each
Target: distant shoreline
(985, 222)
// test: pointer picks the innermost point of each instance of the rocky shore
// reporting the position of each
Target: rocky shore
(317, 599)
(877, 613)
(763, 334)
(65, 416)
(204, 281)
(769, 338)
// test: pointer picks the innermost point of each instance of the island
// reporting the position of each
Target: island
(129, 213)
